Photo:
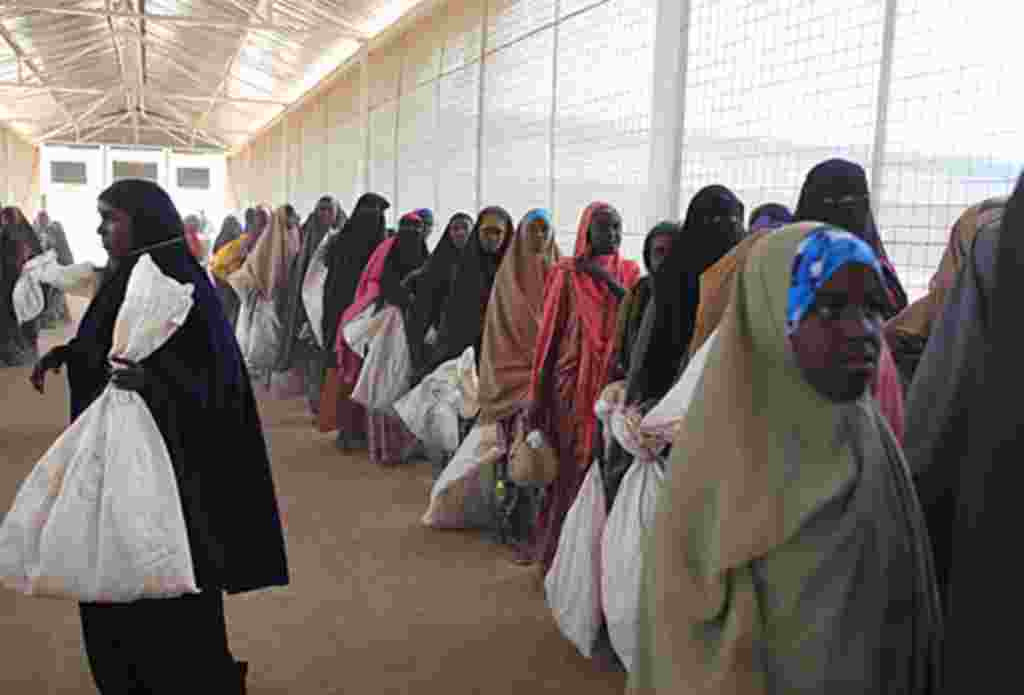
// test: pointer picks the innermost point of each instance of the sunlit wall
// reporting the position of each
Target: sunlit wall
(528, 103)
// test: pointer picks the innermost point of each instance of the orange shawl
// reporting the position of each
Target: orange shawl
(595, 310)
(512, 323)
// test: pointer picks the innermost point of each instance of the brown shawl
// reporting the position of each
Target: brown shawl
(917, 319)
(266, 267)
(512, 323)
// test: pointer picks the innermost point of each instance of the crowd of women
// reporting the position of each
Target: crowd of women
(823, 482)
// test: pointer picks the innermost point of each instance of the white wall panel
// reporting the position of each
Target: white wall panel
(417, 141)
(517, 117)
(457, 143)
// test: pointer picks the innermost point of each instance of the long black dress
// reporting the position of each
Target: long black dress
(199, 393)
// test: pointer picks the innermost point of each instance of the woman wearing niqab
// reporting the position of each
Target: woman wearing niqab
(788, 552)
(463, 323)
(431, 286)
(195, 385)
(964, 445)
(631, 311)
(18, 243)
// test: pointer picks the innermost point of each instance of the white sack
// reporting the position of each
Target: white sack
(313, 289)
(387, 364)
(99, 518)
(631, 515)
(431, 410)
(573, 584)
(665, 417)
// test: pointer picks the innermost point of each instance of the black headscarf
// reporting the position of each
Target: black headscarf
(709, 232)
(347, 255)
(230, 230)
(13, 237)
(405, 256)
(199, 393)
(822, 200)
(769, 216)
(293, 308)
(641, 294)
(463, 322)
(432, 287)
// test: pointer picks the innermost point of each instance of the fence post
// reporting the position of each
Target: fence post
(480, 109)
(668, 108)
(882, 114)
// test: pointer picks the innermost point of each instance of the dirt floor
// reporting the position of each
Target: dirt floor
(378, 603)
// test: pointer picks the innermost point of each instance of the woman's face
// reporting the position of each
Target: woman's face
(661, 247)
(459, 233)
(115, 230)
(838, 342)
(492, 233)
(326, 213)
(605, 233)
(538, 236)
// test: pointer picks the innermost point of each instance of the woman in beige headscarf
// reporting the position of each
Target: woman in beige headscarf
(510, 333)
(263, 280)
(789, 552)
(908, 331)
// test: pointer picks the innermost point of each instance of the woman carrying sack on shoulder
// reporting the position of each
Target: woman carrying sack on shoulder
(196, 383)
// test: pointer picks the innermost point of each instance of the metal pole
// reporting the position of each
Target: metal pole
(284, 161)
(668, 107)
(480, 160)
(553, 120)
(364, 105)
(398, 121)
(438, 155)
(882, 115)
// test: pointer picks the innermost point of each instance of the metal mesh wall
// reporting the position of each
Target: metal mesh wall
(773, 88)
(560, 111)
(952, 136)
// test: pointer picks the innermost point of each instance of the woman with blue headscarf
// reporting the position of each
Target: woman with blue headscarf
(195, 385)
(789, 552)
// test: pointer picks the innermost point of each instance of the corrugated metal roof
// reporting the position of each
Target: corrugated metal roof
(171, 73)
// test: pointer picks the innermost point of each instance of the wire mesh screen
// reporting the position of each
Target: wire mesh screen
(382, 154)
(416, 144)
(457, 143)
(953, 137)
(773, 88)
(517, 114)
(602, 116)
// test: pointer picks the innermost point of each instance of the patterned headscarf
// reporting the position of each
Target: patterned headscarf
(823, 252)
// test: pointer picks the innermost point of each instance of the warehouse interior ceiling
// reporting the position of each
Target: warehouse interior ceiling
(199, 74)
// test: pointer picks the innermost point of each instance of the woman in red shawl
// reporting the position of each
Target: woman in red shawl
(571, 362)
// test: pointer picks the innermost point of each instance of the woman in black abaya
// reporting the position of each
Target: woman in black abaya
(195, 385)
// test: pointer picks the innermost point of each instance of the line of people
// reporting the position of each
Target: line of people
(810, 430)
(786, 505)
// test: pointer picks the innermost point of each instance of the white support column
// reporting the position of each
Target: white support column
(396, 207)
(325, 154)
(882, 115)
(167, 169)
(668, 106)
(480, 159)
(284, 163)
(437, 153)
(364, 107)
(553, 119)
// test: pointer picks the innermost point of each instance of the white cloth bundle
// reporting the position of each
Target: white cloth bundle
(313, 289)
(99, 518)
(387, 366)
(258, 333)
(28, 296)
(431, 410)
